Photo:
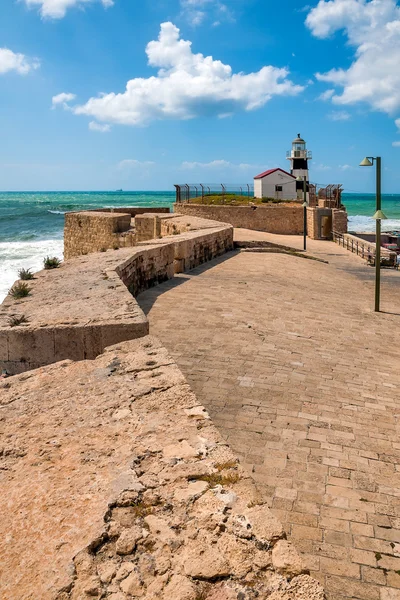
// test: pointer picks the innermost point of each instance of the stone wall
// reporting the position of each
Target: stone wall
(75, 311)
(286, 220)
(339, 221)
(91, 231)
(116, 485)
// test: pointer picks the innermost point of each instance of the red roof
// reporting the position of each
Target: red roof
(266, 173)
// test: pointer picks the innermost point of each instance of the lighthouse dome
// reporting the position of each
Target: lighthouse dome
(299, 140)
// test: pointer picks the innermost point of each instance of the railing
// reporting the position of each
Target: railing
(186, 192)
(299, 154)
(366, 250)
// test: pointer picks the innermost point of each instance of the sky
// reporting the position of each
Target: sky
(139, 95)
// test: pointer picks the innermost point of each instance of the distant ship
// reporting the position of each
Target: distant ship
(119, 190)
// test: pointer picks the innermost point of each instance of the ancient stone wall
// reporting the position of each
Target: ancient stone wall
(116, 485)
(339, 221)
(88, 231)
(75, 311)
(287, 220)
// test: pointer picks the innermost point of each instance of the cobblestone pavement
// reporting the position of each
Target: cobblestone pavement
(303, 380)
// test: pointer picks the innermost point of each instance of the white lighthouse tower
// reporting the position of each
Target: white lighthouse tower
(299, 157)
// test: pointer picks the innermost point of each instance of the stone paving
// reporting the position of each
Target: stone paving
(302, 378)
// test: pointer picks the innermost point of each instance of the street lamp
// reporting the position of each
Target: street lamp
(304, 180)
(368, 161)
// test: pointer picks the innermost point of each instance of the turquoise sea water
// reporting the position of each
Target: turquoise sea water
(31, 223)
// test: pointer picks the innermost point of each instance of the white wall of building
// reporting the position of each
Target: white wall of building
(269, 184)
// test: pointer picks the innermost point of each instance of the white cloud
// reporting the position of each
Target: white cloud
(11, 61)
(396, 144)
(62, 100)
(93, 126)
(373, 29)
(198, 11)
(186, 86)
(321, 167)
(327, 95)
(339, 115)
(397, 123)
(131, 163)
(346, 167)
(56, 9)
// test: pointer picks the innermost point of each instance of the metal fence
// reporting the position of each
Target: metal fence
(364, 249)
(187, 192)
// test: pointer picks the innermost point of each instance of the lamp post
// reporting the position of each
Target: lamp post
(304, 180)
(378, 216)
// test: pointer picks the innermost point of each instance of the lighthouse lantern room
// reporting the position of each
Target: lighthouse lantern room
(299, 157)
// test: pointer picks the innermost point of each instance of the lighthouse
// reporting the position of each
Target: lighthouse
(299, 157)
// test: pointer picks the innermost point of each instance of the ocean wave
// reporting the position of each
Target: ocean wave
(361, 223)
(57, 212)
(27, 255)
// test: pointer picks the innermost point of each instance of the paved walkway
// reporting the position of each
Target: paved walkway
(303, 380)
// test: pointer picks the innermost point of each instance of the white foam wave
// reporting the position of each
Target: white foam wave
(57, 212)
(361, 223)
(27, 255)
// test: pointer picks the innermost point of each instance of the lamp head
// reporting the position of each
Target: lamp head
(299, 178)
(366, 162)
(379, 216)
(304, 204)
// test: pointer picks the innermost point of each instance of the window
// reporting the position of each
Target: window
(278, 188)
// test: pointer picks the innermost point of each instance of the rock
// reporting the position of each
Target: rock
(197, 412)
(125, 569)
(181, 450)
(132, 585)
(117, 596)
(263, 525)
(106, 571)
(180, 588)
(286, 560)
(194, 489)
(92, 586)
(203, 560)
(128, 539)
(159, 528)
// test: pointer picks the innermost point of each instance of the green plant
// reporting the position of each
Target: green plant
(51, 262)
(378, 555)
(20, 290)
(102, 250)
(25, 274)
(16, 320)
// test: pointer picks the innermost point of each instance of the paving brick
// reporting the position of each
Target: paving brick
(305, 369)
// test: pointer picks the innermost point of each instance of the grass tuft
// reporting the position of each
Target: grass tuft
(25, 274)
(218, 479)
(20, 290)
(51, 262)
(16, 320)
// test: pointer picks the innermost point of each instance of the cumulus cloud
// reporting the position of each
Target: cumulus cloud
(62, 100)
(11, 61)
(131, 163)
(396, 144)
(339, 115)
(372, 27)
(327, 95)
(56, 9)
(93, 126)
(186, 86)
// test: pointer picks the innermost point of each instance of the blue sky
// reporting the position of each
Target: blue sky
(220, 109)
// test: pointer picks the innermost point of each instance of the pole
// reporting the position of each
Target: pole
(305, 214)
(378, 237)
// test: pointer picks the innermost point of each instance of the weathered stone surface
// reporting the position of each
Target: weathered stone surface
(128, 539)
(286, 559)
(70, 488)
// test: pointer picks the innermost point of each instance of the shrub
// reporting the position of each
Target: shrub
(102, 250)
(16, 320)
(25, 274)
(20, 290)
(51, 263)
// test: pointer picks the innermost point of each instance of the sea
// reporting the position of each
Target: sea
(31, 223)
